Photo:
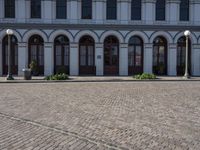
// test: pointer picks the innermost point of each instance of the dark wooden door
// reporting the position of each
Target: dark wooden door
(111, 59)
(14, 55)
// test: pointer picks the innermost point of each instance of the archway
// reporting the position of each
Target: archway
(14, 55)
(61, 54)
(36, 53)
(87, 56)
(111, 56)
(160, 56)
(135, 55)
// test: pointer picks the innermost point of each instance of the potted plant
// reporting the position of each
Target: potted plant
(34, 68)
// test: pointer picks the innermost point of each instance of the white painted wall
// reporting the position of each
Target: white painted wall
(48, 59)
(99, 59)
(74, 59)
(23, 57)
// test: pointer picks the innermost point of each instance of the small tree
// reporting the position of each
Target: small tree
(34, 67)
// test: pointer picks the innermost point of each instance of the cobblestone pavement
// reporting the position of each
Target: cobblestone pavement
(128, 115)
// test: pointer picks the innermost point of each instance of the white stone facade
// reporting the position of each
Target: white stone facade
(123, 28)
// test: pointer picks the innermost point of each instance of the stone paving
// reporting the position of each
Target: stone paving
(119, 115)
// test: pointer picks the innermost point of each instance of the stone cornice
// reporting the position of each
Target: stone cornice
(98, 27)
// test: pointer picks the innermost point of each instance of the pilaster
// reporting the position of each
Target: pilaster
(195, 11)
(98, 11)
(48, 59)
(73, 11)
(148, 11)
(172, 59)
(1, 65)
(123, 59)
(99, 59)
(22, 57)
(148, 57)
(47, 10)
(196, 60)
(124, 11)
(74, 59)
(172, 11)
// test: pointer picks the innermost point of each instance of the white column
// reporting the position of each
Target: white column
(98, 11)
(1, 9)
(148, 57)
(195, 11)
(1, 65)
(74, 59)
(48, 59)
(47, 13)
(73, 11)
(123, 59)
(172, 11)
(22, 57)
(99, 59)
(172, 59)
(124, 11)
(148, 11)
(20, 10)
(196, 60)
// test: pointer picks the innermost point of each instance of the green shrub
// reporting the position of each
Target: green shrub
(61, 76)
(145, 76)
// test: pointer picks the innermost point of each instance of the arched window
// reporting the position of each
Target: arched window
(135, 55)
(86, 9)
(35, 8)
(111, 8)
(86, 56)
(36, 53)
(160, 10)
(9, 8)
(14, 55)
(61, 54)
(111, 56)
(136, 10)
(61, 9)
(181, 53)
(184, 10)
(160, 56)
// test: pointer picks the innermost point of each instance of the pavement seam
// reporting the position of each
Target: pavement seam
(65, 132)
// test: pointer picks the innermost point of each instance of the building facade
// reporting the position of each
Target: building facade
(101, 37)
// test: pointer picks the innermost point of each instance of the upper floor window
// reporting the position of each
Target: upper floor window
(184, 10)
(61, 9)
(111, 12)
(9, 8)
(86, 9)
(136, 10)
(35, 8)
(160, 10)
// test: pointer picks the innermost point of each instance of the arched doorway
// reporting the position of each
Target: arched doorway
(111, 56)
(181, 53)
(135, 55)
(86, 56)
(36, 53)
(160, 56)
(61, 54)
(14, 55)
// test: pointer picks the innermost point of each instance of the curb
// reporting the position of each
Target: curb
(114, 80)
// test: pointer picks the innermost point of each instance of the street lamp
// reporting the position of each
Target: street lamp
(186, 75)
(9, 32)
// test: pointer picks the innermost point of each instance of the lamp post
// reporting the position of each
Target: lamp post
(9, 32)
(186, 75)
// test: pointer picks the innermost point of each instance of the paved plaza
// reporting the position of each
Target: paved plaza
(100, 115)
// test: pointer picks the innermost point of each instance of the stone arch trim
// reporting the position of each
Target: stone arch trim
(29, 33)
(112, 33)
(166, 35)
(142, 35)
(193, 38)
(56, 33)
(16, 34)
(80, 34)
